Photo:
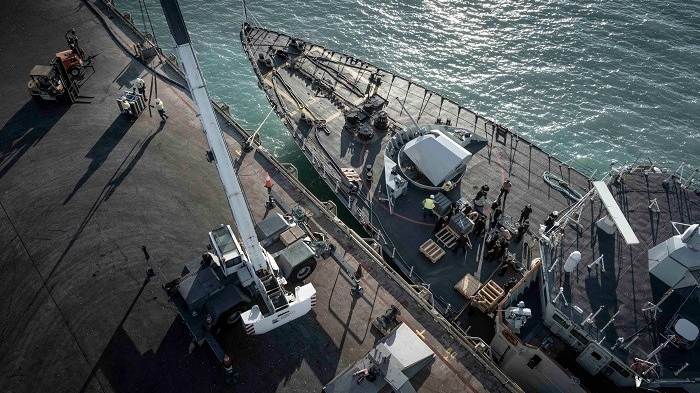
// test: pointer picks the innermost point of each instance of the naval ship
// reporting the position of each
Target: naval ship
(570, 280)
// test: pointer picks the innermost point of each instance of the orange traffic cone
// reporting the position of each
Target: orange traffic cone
(268, 181)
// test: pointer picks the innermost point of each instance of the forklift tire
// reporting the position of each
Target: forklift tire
(303, 270)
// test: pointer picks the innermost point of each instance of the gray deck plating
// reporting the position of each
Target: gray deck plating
(626, 284)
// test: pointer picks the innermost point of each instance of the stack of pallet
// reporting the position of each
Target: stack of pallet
(350, 174)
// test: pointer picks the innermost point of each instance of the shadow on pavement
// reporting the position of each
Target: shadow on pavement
(25, 129)
(171, 368)
(118, 179)
(101, 149)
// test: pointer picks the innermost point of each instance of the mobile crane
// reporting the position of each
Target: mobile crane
(231, 282)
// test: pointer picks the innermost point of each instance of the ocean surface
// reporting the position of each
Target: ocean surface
(590, 81)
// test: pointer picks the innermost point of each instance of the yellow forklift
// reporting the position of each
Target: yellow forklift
(56, 82)
(44, 83)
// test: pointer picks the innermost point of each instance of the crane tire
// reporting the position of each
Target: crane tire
(303, 270)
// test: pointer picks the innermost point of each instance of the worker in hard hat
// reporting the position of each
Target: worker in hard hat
(126, 107)
(140, 85)
(428, 205)
(161, 109)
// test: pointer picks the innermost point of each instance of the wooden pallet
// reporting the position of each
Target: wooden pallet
(486, 299)
(432, 250)
(448, 237)
(350, 175)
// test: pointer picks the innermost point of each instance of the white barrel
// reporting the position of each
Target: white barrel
(572, 261)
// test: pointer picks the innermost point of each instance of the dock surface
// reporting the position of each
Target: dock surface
(83, 189)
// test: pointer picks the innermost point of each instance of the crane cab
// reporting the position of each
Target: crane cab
(227, 249)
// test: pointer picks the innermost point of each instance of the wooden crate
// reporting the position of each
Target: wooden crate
(467, 286)
(432, 250)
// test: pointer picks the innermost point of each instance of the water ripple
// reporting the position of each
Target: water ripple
(591, 80)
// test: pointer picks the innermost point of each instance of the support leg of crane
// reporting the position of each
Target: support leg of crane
(357, 291)
(232, 378)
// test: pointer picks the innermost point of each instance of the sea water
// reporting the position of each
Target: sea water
(589, 81)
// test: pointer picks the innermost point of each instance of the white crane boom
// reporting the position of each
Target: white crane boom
(257, 261)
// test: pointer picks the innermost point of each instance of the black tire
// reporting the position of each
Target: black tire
(231, 317)
(303, 270)
(75, 71)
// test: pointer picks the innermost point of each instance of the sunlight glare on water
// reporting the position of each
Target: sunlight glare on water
(591, 81)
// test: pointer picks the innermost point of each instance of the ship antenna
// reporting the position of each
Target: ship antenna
(415, 123)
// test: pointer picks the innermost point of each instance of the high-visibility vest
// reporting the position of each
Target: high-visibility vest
(126, 105)
(159, 105)
(428, 204)
(139, 83)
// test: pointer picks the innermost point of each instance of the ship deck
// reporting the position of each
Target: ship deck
(329, 102)
(82, 189)
(624, 285)
(323, 86)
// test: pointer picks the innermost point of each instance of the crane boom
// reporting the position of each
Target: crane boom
(258, 260)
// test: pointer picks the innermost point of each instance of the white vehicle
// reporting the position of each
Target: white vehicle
(248, 275)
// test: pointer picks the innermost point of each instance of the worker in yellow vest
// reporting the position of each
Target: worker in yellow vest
(161, 109)
(126, 107)
(428, 205)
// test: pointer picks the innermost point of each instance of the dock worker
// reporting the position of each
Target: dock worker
(522, 228)
(479, 226)
(525, 213)
(140, 85)
(441, 223)
(495, 215)
(505, 189)
(467, 209)
(505, 236)
(549, 222)
(461, 243)
(480, 197)
(161, 109)
(428, 205)
(126, 107)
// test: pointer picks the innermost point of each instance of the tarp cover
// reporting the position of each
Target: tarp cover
(437, 156)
